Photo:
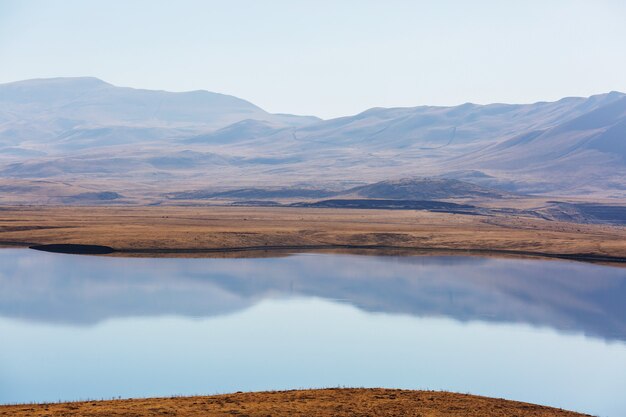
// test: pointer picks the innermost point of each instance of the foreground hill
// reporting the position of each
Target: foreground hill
(318, 403)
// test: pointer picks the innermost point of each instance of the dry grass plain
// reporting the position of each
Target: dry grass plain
(319, 403)
(203, 231)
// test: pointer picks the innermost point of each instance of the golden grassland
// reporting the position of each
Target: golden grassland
(319, 403)
(190, 231)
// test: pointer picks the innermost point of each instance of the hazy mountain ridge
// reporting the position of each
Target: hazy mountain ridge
(85, 131)
(59, 108)
(602, 130)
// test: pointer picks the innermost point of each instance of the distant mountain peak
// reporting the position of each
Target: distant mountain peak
(61, 82)
(89, 101)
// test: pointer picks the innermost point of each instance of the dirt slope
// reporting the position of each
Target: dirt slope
(319, 403)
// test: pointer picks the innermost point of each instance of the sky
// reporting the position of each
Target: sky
(325, 58)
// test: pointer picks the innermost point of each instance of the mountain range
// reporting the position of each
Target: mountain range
(63, 137)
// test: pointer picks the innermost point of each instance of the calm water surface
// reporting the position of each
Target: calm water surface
(77, 327)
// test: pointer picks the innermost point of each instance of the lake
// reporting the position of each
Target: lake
(82, 327)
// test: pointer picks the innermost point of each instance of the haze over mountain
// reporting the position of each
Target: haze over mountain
(89, 134)
(88, 112)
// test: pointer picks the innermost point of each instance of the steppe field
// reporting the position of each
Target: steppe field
(219, 231)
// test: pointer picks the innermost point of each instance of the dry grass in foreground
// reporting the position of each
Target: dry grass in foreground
(318, 403)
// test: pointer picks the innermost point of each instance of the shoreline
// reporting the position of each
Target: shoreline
(246, 231)
(340, 402)
(87, 249)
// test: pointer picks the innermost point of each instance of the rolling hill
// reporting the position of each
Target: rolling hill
(426, 189)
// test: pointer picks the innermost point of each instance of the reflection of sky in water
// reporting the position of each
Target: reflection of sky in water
(76, 327)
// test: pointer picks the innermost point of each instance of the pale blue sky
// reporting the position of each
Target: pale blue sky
(327, 58)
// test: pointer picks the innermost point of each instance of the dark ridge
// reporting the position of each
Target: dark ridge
(94, 196)
(253, 193)
(424, 189)
(592, 213)
(604, 213)
(256, 203)
(75, 249)
(390, 205)
(413, 189)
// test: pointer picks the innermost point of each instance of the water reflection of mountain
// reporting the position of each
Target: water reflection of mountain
(81, 290)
